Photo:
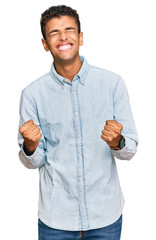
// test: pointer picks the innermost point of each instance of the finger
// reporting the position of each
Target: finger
(31, 127)
(38, 135)
(112, 129)
(26, 125)
(114, 123)
(111, 122)
(29, 130)
(105, 132)
(36, 131)
(33, 138)
(109, 128)
(110, 136)
(105, 138)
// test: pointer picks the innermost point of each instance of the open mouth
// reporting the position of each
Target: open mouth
(65, 47)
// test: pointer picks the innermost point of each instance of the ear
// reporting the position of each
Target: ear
(45, 45)
(81, 38)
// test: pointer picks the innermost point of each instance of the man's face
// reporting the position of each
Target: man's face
(62, 39)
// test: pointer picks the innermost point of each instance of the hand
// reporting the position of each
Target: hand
(31, 134)
(112, 133)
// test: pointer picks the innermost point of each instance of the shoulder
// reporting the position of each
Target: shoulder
(37, 82)
(37, 85)
(104, 74)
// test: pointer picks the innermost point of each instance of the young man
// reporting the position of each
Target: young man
(74, 121)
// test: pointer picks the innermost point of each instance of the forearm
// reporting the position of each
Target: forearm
(32, 157)
(128, 151)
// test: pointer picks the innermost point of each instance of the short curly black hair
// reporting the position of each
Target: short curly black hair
(58, 11)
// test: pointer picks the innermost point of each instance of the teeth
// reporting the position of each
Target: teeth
(65, 47)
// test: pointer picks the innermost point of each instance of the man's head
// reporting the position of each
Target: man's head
(58, 11)
(60, 26)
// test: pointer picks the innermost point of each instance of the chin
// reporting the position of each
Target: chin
(66, 58)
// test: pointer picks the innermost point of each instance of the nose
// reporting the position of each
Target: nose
(63, 36)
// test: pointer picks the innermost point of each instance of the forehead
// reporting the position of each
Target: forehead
(60, 23)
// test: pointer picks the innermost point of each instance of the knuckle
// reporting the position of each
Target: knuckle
(107, 122)
(28, 123)
(21, 129)
(105, 127)
(38, 128)
(38, 136)
(34, 125)
(25, 135)
(103, 131)
(110, 139)
(102, 136)
(114, 121)
(120, 125)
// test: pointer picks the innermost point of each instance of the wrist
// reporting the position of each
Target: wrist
(120, 145)
(28, 150)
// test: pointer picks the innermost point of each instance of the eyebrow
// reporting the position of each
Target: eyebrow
(56, 30)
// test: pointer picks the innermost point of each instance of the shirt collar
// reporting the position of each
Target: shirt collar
(81, 74)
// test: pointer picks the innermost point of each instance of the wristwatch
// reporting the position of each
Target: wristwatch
(121, 143)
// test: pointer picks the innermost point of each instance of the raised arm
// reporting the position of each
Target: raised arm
(30, 137)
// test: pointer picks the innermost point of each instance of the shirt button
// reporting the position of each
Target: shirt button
(82, 81)
(80, 156)
(81, 178)
(81, 200)
(79, 135)
(77, 113)
(65, 80)
(74, 92)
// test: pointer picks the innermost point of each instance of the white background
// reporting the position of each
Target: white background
(119, 36)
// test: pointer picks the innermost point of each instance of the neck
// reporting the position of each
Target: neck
(68, 69)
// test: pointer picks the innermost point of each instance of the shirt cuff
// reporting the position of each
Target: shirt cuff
(128, 151)
(33, 161)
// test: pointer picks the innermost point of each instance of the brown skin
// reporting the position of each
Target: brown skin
(61, 31)
(111, 133)
(31, 134)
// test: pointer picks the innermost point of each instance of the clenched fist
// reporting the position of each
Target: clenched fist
(112, 133)
(31, 134)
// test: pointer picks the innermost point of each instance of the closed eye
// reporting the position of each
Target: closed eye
(53, 32)
(70, 28)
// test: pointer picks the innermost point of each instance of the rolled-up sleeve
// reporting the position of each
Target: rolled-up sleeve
(128, 151)
(28, 111)
(122, 113)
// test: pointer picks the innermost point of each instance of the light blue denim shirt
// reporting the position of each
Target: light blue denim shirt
(79, 185)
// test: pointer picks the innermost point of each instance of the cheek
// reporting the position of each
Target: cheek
(74, 37)
(52, 46)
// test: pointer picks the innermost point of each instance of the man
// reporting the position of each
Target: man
(74, 121)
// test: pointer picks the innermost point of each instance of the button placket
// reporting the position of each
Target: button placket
(79, 149)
